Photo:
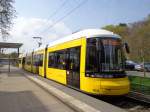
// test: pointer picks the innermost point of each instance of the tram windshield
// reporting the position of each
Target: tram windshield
(104, 55)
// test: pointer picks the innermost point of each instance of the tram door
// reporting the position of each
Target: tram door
(36, 63)
(73, 68)
(37, 69)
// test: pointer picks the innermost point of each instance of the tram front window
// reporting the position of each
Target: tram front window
(104, 55)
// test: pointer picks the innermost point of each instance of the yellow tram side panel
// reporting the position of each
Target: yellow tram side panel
(87, 84)
(41, 71)
(105, 86)
(34, 69)
(100, 86)
(115, 86)
(58, 74)
(27, 67)
(40, 68)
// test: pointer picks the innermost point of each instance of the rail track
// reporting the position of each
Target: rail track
(128, 103)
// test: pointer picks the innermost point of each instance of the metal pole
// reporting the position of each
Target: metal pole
(18, 52)
(40, 40)
(9, 64)
(144, 67)
(143, 61)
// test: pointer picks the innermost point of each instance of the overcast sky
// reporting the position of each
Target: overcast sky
(35, 17)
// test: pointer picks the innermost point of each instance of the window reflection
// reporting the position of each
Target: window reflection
(104, 55)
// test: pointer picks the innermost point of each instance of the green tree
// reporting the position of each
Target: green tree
(137, 35)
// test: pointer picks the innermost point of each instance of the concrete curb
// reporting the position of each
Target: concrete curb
(72, 102)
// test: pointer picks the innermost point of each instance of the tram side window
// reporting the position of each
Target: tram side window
(51, 62)
(65, 59)
(40, 60)
(57, 59)
(35, 60)
(74, 58)
(91, 56)
(60, 61)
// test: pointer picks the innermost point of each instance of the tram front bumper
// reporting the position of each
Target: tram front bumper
(119, 86)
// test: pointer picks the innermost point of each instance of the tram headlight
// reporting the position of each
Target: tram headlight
(92, 75)
(87, 75)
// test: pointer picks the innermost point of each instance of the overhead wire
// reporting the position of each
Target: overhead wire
(57, 10)
(63, 17)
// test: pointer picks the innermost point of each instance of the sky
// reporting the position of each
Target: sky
(36, 17)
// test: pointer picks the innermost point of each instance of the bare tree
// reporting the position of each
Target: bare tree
(7, 13)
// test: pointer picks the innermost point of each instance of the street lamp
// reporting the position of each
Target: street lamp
(38, 38)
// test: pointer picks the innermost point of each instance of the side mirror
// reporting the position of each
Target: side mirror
(126, 46)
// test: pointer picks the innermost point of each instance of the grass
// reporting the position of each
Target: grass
(140, 80)
(140, 84)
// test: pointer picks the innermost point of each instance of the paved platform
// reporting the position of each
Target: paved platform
(19, 94)
(95, 103)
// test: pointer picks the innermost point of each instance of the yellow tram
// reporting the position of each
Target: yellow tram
(90, 60)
